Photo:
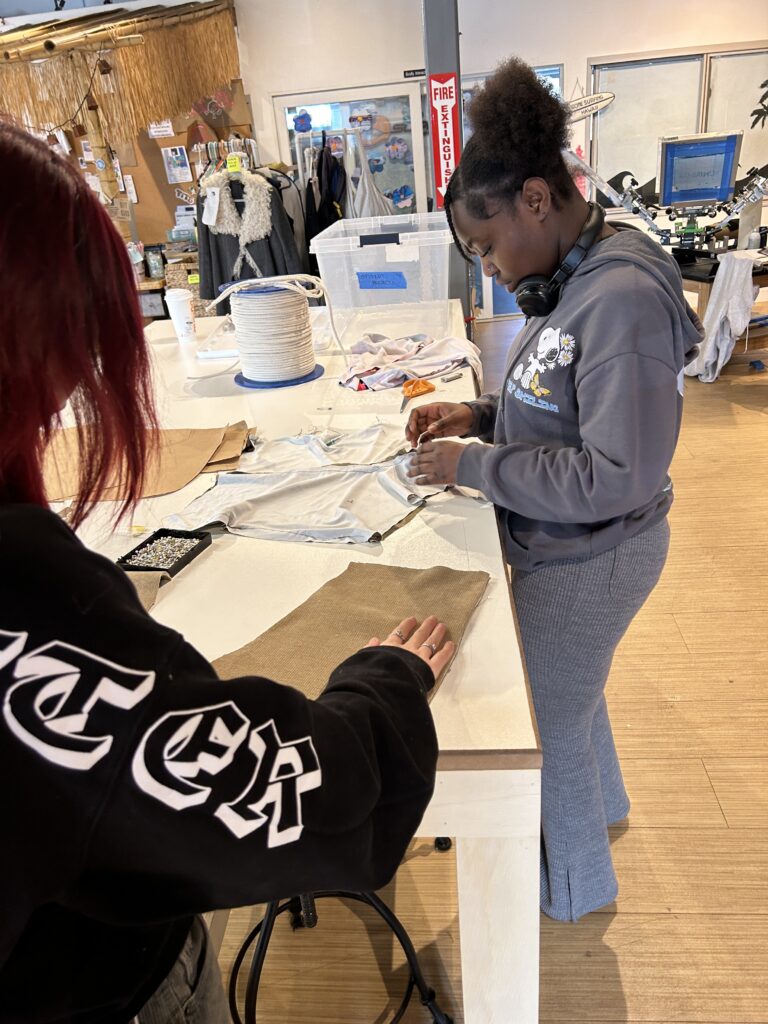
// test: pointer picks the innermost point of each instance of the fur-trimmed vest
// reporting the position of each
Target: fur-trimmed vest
(250, 239)
(255, 222)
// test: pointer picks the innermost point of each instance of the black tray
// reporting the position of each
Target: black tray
(203, 541)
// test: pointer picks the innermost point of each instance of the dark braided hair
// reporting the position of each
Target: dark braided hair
(520, 128)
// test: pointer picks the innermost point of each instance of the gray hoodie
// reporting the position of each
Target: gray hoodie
(586, 422)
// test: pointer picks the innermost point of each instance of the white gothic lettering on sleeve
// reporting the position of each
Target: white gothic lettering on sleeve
(183, 755)
(61, 701)
(64, 698)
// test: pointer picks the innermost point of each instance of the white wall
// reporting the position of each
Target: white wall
(562, 32)
(295, 45)
(289, 46)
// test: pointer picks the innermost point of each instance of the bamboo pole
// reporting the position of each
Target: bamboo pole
(104, 166)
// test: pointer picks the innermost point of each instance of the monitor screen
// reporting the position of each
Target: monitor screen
(698, 169)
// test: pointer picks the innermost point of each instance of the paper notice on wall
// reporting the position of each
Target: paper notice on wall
(121, 210)
(118, 174)
(130, 188)
(87, 151)
(177, 169)
(160, 129)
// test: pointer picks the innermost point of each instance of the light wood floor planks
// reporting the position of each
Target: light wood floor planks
(687, 940)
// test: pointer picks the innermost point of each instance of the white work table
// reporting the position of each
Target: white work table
(488, 785)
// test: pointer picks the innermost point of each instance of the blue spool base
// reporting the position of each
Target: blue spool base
(245, 382)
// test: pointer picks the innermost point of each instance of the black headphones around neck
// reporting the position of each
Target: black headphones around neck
(537, 295)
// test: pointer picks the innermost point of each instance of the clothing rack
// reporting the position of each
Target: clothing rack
(328, 132)
(211, 153)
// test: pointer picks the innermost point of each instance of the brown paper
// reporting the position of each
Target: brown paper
(147, 585)
(226, 458)
(366, 600)
(177, 457)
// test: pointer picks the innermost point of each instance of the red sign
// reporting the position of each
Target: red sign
(444, 102)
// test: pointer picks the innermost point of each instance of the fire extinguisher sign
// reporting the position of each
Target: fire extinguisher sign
(444, 101)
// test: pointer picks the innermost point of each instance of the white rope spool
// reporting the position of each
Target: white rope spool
(273, 328)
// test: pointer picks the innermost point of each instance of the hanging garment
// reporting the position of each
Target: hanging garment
(366, 447)
(727, 315)
(257, 242)
(382, 362)
(294, 207)
(331, 188)
(365, 200)
(334, 504)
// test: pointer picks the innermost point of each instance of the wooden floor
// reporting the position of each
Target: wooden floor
(687, 940)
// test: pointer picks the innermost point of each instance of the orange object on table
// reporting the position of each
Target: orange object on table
(414, 388)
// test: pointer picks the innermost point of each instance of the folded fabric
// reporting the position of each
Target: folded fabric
(341, 617)
(333, 504)
(373, 444)
(380, 362)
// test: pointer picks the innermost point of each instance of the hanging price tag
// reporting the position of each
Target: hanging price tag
(234, 163)
(211, 208)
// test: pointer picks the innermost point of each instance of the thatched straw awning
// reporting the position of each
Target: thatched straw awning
(162, 61)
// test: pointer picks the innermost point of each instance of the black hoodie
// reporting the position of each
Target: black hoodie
(138, 789)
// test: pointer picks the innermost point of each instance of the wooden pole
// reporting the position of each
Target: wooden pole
(103, 164)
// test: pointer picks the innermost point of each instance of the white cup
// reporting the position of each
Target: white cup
(179, 303)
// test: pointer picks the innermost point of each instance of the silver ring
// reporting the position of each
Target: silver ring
(432, 647)
(396, 632)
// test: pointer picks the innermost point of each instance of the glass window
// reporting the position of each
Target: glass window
(736, 84)
(654, 98)
(385, 132)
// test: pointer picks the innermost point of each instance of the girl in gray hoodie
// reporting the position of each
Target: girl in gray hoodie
(577, 447)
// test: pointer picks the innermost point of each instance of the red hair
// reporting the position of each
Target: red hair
(70, 324)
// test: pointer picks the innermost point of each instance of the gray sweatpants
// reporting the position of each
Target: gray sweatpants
(572, 616)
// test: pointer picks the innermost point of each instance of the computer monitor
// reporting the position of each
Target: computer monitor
(698, 170)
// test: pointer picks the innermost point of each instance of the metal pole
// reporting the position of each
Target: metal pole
(442, 57)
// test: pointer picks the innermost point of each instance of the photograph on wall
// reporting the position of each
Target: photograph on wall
(176, 162)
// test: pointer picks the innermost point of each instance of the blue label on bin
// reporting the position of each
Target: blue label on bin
(376, 279)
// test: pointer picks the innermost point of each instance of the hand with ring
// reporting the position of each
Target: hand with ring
(426, 640)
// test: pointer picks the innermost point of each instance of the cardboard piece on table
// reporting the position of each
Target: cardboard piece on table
(147, 585)
(176, 459)
(226, 458)
(366, 600)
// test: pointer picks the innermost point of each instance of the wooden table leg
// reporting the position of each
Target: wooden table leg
(498, 885)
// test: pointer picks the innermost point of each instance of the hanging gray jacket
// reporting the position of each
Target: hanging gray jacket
(585, 425)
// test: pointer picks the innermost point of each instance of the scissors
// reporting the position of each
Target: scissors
(414, 388)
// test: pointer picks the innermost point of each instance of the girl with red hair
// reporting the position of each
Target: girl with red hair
(139, 790)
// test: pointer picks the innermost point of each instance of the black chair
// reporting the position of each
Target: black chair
(304, 915)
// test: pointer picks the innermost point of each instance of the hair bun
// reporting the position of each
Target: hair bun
(515, 112)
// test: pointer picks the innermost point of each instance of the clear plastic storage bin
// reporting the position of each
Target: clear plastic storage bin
(387, 274)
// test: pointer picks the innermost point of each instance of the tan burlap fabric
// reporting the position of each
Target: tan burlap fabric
(147, 585)
(341, 617)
